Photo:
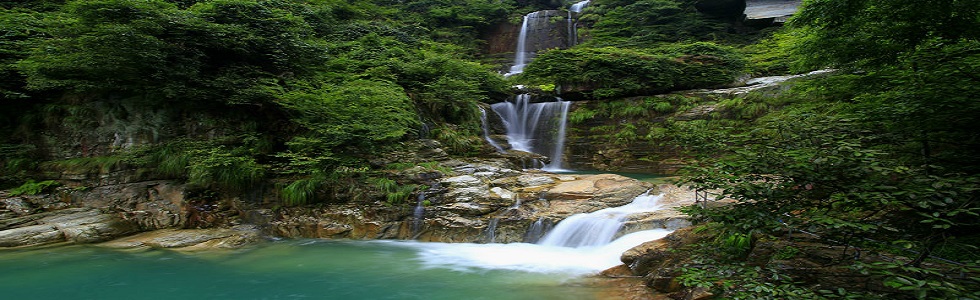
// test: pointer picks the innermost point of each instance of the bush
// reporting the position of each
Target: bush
(33, 188)
(617, 72)
(362, 114)
(221, 168)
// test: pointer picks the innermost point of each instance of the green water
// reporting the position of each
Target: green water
(295, 269)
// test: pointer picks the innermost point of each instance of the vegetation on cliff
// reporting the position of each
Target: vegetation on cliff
(227, 93)
(880, 157)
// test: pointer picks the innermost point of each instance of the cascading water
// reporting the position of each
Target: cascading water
(572, 29)
(521, 53)
(486, 131)
(578, 6)
(597, 228)
(536, 230)
(558, 150)
(531, 127)
(491, 232)
(418, 215)
(581, 244)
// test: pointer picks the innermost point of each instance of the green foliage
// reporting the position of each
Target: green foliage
(833, 169)
(857, 34)
(770, 56)
(459, 140)
(86, 165)
(339, 184)
(581, 115)
(787, 252)
(394, 193)
(616, 72)
(15, 163)
(458, 21)
(32, 187)
(739, 281)
(20, 30)
(648, 23)
(928, 283)
(224, 169)
(302, 191)
(359, 114)
(320, 81)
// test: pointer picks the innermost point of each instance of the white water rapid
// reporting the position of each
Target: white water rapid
(581, 244)
(599, 227)
(535, 127)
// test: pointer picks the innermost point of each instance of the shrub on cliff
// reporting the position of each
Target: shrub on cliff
(617, 72)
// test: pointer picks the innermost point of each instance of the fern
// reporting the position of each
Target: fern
(33, 188)
(301, 192)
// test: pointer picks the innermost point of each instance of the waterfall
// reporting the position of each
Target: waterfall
(418, 215)
(558, 150)
(597, 228)
(531, 128)
(578, 6)
(582, 244)
(520, 54)
(575, 9)
(484, 124)
(537, 229)
(491, 231)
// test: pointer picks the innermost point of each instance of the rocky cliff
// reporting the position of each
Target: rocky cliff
(477, 201)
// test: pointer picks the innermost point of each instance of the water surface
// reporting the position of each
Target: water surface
(305, 269)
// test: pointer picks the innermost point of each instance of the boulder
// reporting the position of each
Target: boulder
(659, 262)
(76, 225)
(189, 239)
(609, 189)
(465, 188)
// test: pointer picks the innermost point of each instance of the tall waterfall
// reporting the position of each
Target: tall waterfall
(521, 54)
(535, 127)
(532, 127)
(597, 228)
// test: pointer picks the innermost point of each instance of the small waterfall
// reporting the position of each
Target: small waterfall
(558, 151)
(578, 6)
(597, 228)
(575, 9)
(517, 202)
(486, 130)
(418, 215)
(491, 231)
(537, 229)
(531, 127)
(582, 244)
